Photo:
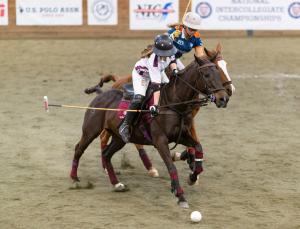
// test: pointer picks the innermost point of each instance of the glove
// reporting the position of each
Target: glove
(153, 110)
(175, 73)
(176, 34)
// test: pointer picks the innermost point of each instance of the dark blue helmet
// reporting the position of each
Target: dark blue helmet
(163, 46)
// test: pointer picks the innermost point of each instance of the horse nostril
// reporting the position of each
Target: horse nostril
(223, 99)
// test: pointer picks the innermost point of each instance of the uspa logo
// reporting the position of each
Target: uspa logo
(294, 10)
(204, 9)
(102, 9)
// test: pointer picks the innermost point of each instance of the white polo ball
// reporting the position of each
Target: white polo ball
(196, 216)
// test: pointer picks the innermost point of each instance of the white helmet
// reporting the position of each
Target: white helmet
(192, 20)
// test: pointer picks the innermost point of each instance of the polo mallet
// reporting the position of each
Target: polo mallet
(47, 105)
(186, 9)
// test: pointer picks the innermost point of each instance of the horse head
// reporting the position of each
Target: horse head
(216, 57)
(211, 82)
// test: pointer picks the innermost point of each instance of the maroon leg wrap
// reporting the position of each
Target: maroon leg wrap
(73, 173)
(103, 161)
(146, 161)
(103, 146)
(175, 183)
(191, 150)
(111, 173)
(198, 164)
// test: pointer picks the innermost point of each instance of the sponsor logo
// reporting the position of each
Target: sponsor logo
(102, 9)
(48, 10)
(154, 10)
(294, 10)
(2, 10)
(204, 9)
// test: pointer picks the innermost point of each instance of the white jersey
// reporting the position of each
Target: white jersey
(153, 67)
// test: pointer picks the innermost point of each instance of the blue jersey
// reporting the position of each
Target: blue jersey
(182, 44)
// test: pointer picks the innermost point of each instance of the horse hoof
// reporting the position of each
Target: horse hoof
(190, 182)
(75, 184)
(176, 156)
(75, 179)
(120, 187)
(183, 204)
(153, 172)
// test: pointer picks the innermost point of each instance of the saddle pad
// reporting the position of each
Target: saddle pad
(124, 104)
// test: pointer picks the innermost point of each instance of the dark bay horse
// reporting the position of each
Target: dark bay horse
(213, 55)
(173, 123)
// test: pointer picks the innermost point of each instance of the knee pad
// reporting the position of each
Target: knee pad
(154, 87)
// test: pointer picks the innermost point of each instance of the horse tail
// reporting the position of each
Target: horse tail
(97, 87)
(121, 81)
(118, 83)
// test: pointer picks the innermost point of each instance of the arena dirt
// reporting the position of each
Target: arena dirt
(252, 161)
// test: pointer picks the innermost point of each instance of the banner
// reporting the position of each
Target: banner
(248, 14)
(102, 12)
(3, 12)
(153, 14)
(49, 12)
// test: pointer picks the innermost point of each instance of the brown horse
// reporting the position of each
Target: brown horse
(217, 57)
(173, 123)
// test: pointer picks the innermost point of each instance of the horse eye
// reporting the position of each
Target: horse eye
(206, 75)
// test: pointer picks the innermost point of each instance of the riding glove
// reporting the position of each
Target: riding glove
(153, 110)
(176, 34)
(175, 72)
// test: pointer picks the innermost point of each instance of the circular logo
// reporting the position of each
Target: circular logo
(294, 10)
(102, 9)
(204, 9)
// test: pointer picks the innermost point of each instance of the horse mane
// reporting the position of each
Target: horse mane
(193, 63)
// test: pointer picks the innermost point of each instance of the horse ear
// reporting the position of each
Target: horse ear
(219, 47)
(208, 53)
(199, 60)
(214, 57)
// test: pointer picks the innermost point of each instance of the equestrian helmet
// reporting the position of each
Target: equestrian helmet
(192, 20)
(163, 46)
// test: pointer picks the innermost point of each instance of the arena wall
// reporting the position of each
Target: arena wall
(121, 30)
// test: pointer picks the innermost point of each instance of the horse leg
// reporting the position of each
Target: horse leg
(161, 143)
(104, 138)
(80, 147)
(189, 153)
(115, 145)
(146, 161)
(197, 165)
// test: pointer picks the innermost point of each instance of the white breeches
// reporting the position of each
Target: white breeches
(140, 83)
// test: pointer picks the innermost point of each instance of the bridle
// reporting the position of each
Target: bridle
(199, 102)
(207, 97)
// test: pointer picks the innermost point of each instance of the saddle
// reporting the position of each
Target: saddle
(128, 91)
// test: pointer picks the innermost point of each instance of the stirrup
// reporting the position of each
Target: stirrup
(124, 132)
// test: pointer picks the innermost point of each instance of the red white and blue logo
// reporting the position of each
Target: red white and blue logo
(294, 10)
(154, 10)
(204, 9)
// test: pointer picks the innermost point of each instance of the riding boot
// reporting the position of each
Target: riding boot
(124, 129)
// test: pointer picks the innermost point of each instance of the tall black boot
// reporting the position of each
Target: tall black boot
(124, 129)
